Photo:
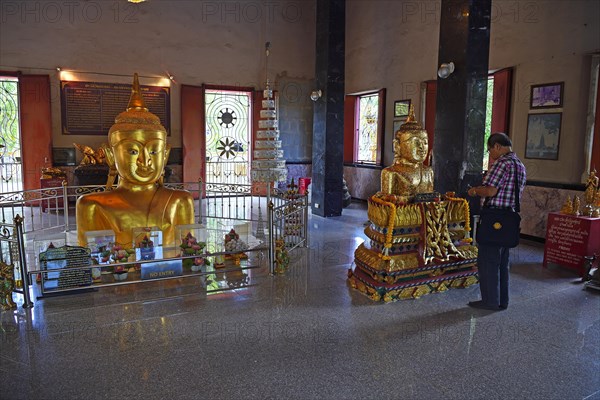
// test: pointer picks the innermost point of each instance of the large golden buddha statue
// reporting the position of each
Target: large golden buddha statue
(408, 175)
(417, 244)
(137, 152)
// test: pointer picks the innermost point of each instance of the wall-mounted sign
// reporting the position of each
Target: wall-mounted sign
(90, 108)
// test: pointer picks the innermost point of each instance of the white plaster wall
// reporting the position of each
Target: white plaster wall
(394, 44)
(214, 42)
(548, 41)
(391, 44)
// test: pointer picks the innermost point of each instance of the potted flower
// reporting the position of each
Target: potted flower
(191, 247)
(96, 272)
(119, 255)
(104, 255)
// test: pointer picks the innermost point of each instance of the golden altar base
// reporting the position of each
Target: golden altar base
(414, 249)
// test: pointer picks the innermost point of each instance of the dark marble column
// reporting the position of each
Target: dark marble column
(461, 98)
(328, 123)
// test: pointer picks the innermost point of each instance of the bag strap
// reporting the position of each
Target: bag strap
(517, 189)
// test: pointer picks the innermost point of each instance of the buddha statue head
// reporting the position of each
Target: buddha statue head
(408, 175)
(411, 142)
(137, 150)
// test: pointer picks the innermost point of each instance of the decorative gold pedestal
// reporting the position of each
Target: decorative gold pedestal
(414, 249)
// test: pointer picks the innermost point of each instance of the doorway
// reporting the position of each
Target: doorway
(228, 136)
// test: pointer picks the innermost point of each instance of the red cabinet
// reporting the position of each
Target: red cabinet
(569, 238)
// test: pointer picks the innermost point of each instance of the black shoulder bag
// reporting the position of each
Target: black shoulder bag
(501, 226)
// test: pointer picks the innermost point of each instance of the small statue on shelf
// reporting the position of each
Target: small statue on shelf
(53, 172)
(90, 157)
(282, 258)
(7, 286)
(567, 208)
(576, 205)
(591, 187)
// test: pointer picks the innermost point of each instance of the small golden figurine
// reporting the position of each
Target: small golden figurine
(53, 172)
(576, 205)
(7, 286)
(591, 187)
(89, 155)
(137, 151)
(567, 208)
(408, 175)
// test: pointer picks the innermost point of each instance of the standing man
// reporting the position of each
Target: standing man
(498, 189)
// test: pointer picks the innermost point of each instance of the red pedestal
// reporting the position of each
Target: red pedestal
(303, 184)
(569, 238)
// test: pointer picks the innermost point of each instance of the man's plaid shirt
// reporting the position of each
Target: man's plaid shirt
(502, 176)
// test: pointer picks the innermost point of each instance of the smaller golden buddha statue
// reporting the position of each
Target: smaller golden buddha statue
(567, 208)
(408, 175)
(137, 152)
(591, 187)
(576, 205)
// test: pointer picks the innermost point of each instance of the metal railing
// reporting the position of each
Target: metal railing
(11, 175)
(288, 227)
(230, 172)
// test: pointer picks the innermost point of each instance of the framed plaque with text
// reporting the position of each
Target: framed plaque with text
(90, 108)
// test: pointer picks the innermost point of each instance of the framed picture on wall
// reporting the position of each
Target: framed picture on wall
(549, 95)
(401, 108)
(543, 136)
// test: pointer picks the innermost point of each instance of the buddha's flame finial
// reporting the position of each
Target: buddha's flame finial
(411, 114)
(136, 101)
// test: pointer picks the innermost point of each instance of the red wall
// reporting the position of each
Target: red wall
(36, 127)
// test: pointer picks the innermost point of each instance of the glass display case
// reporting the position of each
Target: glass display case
(220, 252)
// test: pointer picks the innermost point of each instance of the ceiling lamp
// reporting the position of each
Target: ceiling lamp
(136, 1)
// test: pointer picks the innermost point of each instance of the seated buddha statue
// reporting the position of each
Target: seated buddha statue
(137, 152)
(408, 175)
(418, 244)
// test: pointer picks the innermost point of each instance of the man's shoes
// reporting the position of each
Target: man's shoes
(503, 306)
(482, 306)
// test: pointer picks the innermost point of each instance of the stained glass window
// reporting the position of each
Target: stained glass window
(367, 121)
(227, 136)
(10, 143)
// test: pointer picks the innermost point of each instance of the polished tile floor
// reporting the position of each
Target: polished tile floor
(307, 335)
